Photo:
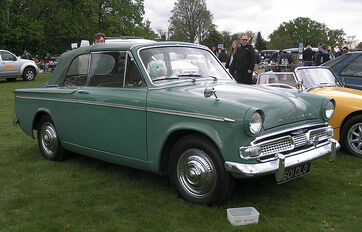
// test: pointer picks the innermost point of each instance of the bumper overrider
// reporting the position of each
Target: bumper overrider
(276, 152)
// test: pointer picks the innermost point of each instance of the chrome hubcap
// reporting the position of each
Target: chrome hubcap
(196, 173)
(355, 137)
(49, 140)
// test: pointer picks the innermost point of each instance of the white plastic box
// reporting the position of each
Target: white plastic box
(243, 216)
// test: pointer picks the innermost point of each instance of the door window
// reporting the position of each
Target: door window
(107, 69)
(7, 56)
(354, 68)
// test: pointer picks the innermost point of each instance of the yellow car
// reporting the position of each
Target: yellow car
(347, 118)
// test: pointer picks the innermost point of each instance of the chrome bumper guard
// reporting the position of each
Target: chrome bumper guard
(281, 162)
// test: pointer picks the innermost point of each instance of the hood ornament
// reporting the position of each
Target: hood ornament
(209, 91)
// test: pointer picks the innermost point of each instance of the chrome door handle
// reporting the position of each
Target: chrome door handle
(82, 91)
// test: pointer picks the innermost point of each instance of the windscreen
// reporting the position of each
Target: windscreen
(174, 63)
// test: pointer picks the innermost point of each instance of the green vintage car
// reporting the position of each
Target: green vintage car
(172, 108)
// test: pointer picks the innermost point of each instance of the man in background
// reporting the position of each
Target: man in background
(243, 63)
(99, 38)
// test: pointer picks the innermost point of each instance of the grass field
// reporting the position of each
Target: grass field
(83, 194)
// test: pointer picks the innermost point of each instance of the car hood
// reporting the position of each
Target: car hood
(341, 95)
(234, 100)
(338, 92)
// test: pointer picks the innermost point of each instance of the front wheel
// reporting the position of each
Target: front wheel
(29, 74)
(351, 135)
(197, 171)
(48, 140)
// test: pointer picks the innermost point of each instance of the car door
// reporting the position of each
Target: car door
(8, 64)
(112, 106)
(351, 74)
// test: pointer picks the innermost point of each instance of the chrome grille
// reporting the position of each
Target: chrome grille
(318, 132)
(289, 141)
(278, 145)
(300, 140)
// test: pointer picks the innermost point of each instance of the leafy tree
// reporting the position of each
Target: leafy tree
(260, 42)
(213, 39)
(335, 37)
(190, 21)
(306, 31)
(42, 26)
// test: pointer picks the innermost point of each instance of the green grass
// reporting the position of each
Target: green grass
(84, 194)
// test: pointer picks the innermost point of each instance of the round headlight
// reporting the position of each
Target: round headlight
(255, 123)
(329, 110)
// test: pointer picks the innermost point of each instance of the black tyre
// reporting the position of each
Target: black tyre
(197, 173)
(29, 74)
(48, 140)
(351, 135)
(10, 79)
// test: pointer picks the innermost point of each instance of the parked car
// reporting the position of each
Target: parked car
(347, 119)
(127, 104)
(12, 67)
(266, 54)
(348, 69)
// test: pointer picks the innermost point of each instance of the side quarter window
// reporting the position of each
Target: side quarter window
(354, 68)
(77, 73)
(107, 69)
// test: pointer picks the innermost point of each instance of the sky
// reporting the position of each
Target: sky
(266, 15)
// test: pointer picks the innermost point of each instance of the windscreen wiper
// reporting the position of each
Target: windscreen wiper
(166, 78)
(190, 76)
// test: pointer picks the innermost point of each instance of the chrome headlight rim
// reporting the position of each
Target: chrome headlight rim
(328, 109)
(255, 123)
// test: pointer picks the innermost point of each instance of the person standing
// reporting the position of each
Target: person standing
(223, 57)
(99, 38)
(308, 56)
(234, 48)
(243, 63)
(26, 55)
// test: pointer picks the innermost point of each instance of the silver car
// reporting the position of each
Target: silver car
(12, 67)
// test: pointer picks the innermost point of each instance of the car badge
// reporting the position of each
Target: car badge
(315, 141)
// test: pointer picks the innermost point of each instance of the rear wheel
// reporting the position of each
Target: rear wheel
(197, 171)
(48, 140)
(351, 135)
(29, 74)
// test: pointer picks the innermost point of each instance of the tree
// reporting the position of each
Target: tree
(306, 31)
(213, 39)
(351, 42)
(260, 42)
(359, 47)
(190, 21)
(42, 26)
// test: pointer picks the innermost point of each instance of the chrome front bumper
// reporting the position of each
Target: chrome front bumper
(280, 162)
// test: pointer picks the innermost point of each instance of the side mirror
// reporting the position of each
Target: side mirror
(209, 91)
(300, 85)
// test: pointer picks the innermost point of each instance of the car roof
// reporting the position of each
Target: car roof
(67, 57)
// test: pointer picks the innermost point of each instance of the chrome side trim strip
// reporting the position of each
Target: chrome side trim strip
(48, 99)
(148, 109)
(86, 102)
(192, 115)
